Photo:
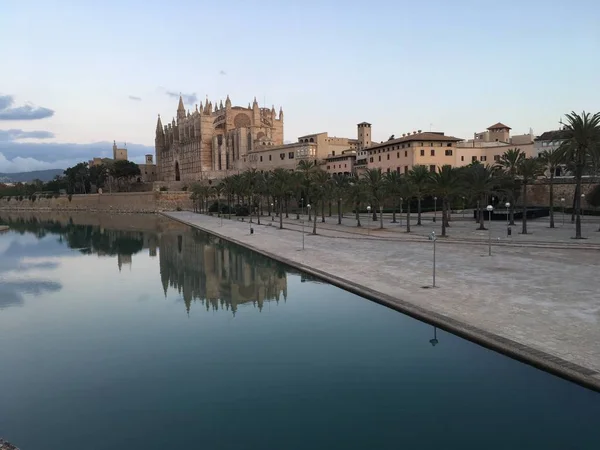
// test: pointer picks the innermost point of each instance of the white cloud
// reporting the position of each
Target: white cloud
(20, 164)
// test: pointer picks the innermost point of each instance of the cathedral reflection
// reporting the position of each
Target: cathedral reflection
(218, 274)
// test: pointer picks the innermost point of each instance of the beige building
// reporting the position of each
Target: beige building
(148, 170)
(489, 146)
(342, 164)
(119, 154)
(431, 149)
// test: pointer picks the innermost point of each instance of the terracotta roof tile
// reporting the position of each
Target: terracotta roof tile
(499, 125)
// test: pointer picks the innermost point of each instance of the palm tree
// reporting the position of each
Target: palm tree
(341, 186)
(306, 168)
(319, 180)
(509, 162)
(280, 188)
(446, 183)
(593, 198)
(229, 186)
(551, 159)
(393, 188)
(481, 182)
(408, 192)
(419, 177)
(356, 194)
(529, 169)
(374, 181)
(581, 145)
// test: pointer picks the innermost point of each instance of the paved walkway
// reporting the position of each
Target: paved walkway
(538, 304)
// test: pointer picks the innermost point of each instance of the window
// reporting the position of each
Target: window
(388, 156)
(449, 144)
(496, 157)
(398, 169)
(405, 154)
(388, 170)
(432, 152)
(282, 156)
(333, 153)
(421, 144)
(371, 159)
(422, 152)
(448, 152)
(483, 158)
(408, 145)
(405, 169)
(291, 155)
(473, 158)
(345, 165)
(327, 167)
(269, 157)
(432, 168)
(379, 157)
(462, 158)
(397, 154)
(441, 144)
(260, 158)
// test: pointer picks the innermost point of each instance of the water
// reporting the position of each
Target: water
(112, 337)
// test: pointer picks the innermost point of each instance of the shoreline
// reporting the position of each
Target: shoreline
(555, 365)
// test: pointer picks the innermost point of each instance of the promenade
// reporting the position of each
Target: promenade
(537, 298)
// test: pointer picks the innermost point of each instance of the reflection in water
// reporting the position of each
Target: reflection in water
(217, 273)
(200, 267)
(11, 292)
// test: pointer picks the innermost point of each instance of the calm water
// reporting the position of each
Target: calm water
(169, 338)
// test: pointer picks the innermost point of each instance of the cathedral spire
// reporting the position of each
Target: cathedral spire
(180, 109)
(280, 113)
(227, 102)
(221, 105)
(159, 126)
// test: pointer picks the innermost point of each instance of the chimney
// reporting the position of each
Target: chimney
(414, 132)
(419, 131)
(403, 134)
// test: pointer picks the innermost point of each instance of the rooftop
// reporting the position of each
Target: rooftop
(427, 136)
(499, 126)
(554, 135)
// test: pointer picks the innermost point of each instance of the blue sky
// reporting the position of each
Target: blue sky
(455, 66)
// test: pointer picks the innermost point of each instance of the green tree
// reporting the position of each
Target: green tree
(509, 163)
(551, 160)
(446, 183)
(373, 178)
(319, 181)
(357, 193)
(280, 188)
(124, 172)
(529, 169)
(393, 187)
(581, 146)
(420, 179)
(481, 182)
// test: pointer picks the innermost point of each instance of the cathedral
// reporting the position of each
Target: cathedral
(213, 141)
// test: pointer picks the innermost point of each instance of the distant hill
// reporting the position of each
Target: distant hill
(23, 177)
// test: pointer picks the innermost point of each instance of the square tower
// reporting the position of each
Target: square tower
(364, 135)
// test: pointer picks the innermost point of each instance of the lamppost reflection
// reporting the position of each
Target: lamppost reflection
(434, 341)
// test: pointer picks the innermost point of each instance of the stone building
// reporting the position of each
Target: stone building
(214, 140)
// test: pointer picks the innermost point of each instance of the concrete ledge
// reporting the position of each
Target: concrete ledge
(573, 372)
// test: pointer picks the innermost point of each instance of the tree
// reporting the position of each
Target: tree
(509, 163)
(408, 191)
(280, 188)
(356, 194)
(528, 169)
(341, 187)
(98, 175)
(551, 159)
(319, 179)
(593, 198)
(581, 146)
(420, 179)
(481, 182)
(78, 177)
(446, 183)
(393, 188)
(123, 171)
(373, 178)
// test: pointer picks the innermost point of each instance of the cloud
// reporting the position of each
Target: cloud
(188, 99)
(25, 112)
(222, 72)
(18, 156)
(135, 98)
(15, 134)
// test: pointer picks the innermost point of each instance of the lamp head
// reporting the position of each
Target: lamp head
(490, 208)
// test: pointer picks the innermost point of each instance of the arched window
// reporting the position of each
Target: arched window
(312, 140)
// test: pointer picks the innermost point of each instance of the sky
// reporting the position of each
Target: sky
(86, 73)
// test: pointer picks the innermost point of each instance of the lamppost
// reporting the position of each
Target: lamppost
(307, 207)
(340, 211)
(433, 238)
(562, 201)
(381, 214)
(401, 200)
(581, 207)
(434, 208)
(272, 211)
(463, 208)
(507, 204)
(477, 215)
(434, 341)
(367, 221)
(490, 208)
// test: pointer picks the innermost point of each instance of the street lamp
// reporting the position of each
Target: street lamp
(340, 211)
(307, 207)
(581, 206)
(562, 201)
(490, 208)
(463, 208)
(434, 208)
(507, 204)
(433, 238)
(367, 221)
(434, 341)
(401, 200)
(272, 211)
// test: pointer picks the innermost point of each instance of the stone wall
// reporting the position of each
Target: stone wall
(137, 202)
(539, 194)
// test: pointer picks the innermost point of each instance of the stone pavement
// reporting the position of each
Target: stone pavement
(541, 305)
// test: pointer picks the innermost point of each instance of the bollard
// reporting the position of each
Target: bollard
(251, 230)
